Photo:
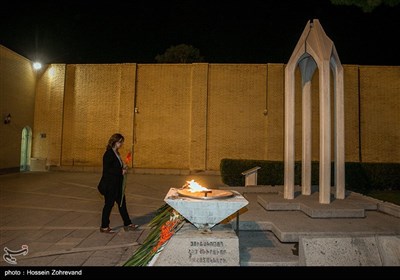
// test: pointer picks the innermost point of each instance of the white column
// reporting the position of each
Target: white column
(289, 132)
(339, 134)
(306, 139)
(325, 133)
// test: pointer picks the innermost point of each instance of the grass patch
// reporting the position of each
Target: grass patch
(392, 196)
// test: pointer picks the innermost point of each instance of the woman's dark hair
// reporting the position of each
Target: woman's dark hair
(117, 137)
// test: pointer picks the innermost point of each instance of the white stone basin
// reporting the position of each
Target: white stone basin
(204, 214)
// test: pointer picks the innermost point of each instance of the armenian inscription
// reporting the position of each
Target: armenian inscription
(192, 247)
(207, 252)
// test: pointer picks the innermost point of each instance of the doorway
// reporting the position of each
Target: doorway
(26, 143)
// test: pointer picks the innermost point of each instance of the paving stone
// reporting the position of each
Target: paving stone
(262, 248)
(60, 211)
(77, 259)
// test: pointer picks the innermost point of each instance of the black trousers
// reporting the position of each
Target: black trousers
(109, 201)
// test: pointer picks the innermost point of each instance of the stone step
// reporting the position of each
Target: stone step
(251, 263)
(262, 248)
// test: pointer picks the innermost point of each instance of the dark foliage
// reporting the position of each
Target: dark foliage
(360, 177)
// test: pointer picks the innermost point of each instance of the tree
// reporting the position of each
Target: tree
(366, 5)
(180, 54)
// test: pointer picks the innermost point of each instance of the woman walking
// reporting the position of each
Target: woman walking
(110, 185)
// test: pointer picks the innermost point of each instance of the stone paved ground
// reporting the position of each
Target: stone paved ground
(57, 214)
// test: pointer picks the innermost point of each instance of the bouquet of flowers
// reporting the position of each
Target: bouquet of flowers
(163, 226)
(128, 159)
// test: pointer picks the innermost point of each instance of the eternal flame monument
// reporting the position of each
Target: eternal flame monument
(196, 244)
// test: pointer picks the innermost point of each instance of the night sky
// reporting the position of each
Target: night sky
(224, 31)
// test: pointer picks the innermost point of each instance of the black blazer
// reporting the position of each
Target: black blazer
(111, 178)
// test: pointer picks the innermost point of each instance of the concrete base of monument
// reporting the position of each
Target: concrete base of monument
(193, 247)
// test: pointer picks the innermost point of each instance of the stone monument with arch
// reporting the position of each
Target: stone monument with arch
(315, 50)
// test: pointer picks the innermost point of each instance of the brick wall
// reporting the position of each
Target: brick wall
(188, 116)
(17, 97)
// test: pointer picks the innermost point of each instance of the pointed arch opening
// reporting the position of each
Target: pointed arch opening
(26, 146)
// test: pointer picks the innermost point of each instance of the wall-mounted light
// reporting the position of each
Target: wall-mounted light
(37, 65)
(7, 119)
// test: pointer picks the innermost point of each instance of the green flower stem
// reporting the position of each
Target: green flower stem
(144, 254)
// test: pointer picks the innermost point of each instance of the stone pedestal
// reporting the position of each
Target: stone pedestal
(192, 247)
(38, 164)
(205, 214)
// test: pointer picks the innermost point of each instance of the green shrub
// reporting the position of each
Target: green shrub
(383, 176)
(360, 177)
(356, 178)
